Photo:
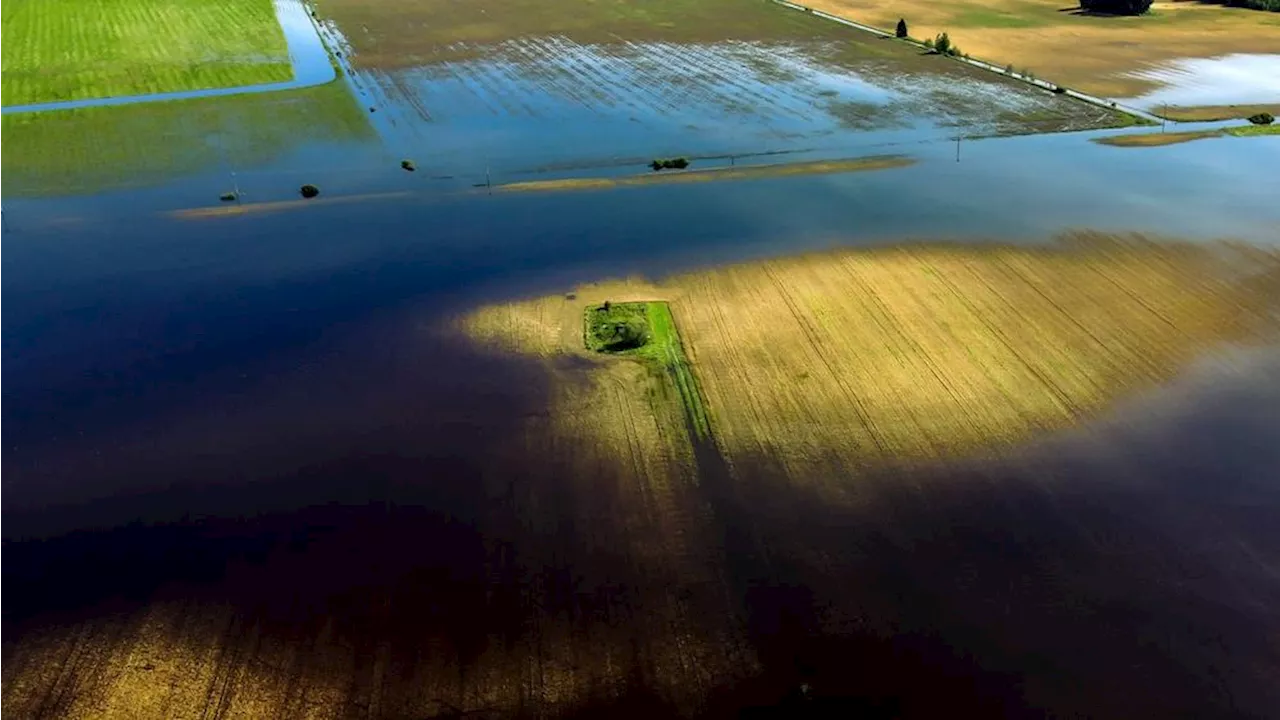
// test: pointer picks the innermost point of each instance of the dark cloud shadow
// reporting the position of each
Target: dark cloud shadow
(1125, 570)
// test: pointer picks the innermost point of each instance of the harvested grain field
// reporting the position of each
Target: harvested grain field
(69, 50)
(930, 352)
(1098, 55)
(841, 385)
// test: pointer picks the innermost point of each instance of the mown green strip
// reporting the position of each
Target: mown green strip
(661, 350)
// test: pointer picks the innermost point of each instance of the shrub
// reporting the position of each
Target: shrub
(679, 163)
(928, 44)
(1059, 90)
(901, 30)
(1262, 118)
(1116, 7)
(227, 197)
(1008, 69)
(625, 335)
(942, 44)
(408, 165)
(614, 328)
(309, 191)
(1272, 5)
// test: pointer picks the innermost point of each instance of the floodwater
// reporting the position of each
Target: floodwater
(255, 412)
(1238, 79)
(307, 55)
(543, 104)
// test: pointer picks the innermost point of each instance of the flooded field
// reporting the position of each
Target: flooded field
(633, 88)
(342, 457)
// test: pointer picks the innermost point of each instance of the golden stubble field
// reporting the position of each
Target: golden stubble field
(834, 361)
(863, 403)
(1092, 54)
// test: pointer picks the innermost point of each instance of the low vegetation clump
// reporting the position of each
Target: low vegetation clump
(1059, 90)
(679, 163)
(943, 46)
(227, 197)
(1262, 118)
(408, 165)
(309, 191)
(1116, 7)
(1272, 5)
(617, 327)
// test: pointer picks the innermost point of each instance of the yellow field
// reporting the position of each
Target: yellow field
(915, 353)
(846, 387)
(1091, 54)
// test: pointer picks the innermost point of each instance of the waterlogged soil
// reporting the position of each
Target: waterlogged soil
(541, 104)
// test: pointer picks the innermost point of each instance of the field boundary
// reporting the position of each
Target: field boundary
(990, 67)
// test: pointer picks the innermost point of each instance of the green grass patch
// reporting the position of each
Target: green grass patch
(1174, 138)
(89, 150)
(988, 18)
(647, 331)
(74, 49)
(1252, 130)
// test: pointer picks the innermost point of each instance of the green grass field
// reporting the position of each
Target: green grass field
(94, 149)
(74, 49)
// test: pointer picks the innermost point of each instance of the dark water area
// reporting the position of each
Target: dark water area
(260, 412)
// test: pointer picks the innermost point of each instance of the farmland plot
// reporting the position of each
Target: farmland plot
(866, 403)
(68, 50)
(615, 88)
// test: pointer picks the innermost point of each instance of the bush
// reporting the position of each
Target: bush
(942, 43)
(1272, 5)
(227, 197)
(928, 44)
(670, 164)
(1059, 90)
(625, 335)
(1262, 118)
(309, 191)
(617, 327)
(901, 30)
(408, 165)
(1008, 69)
(1116, 7)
